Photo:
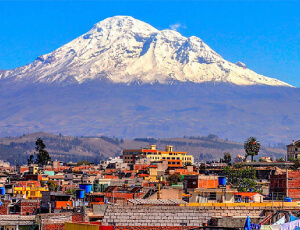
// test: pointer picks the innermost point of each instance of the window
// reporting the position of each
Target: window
(178, 158)
(212, 196)
(170, 154)
(173, 163)
(163, 158)
(173, 158)
(168, 158)
(178, 163)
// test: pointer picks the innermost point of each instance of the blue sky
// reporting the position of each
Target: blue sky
(265, 35)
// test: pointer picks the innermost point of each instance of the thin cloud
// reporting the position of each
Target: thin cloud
(177, 26)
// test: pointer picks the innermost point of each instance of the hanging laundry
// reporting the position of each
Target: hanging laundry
(293, 218)
(266, 227)
(255, 226)
(291, 225)
(280, 221)
(248, 224)
(271, 227)
(276, 227)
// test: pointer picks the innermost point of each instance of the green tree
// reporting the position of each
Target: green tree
(227, 157)
(296, 165)
(174, 178)
(292, 159)
(280, 159)
(30, 160)
(71, 191)
(53, 187)
(79, 163)
(243, 179)
(251, 147)
(42, 155)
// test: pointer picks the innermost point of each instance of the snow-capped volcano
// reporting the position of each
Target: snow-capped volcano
(122, 49)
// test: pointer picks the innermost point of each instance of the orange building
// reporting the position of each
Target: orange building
(201, 181)
(175, 159)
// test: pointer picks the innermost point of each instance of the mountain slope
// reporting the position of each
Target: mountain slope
(68, 148)
(269, 113)
(122, 49)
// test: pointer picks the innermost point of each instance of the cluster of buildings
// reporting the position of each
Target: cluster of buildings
(75, 193)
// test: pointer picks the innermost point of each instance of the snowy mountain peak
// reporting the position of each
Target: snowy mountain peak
(122, 49)
(124, 23)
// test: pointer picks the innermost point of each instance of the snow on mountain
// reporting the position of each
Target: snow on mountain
(122, 49)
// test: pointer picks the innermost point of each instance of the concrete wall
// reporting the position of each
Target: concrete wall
(171, 215)
(171, 193)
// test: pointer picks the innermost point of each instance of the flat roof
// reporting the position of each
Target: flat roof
(269, 163)
(231, 190)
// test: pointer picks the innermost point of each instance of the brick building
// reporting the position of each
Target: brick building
(293, 150)
(278, 185)
(28, 207)
(200, 181)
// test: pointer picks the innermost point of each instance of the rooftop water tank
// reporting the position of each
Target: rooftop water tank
(79, 194)
(287, 199)
(86, 187)
(222, 180)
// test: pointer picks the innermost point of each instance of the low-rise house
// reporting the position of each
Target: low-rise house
(56, 201)
(120, 194)
(293, 150)
(238, 159)
(265, 159)
(213, 195)
(249, 197)
(30, 192)
(200, 181)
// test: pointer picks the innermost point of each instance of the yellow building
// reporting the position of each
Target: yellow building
(175, 159)
(33, 169)
(30, 192)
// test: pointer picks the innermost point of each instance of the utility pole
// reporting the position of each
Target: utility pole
(287, 181)
(159, 189)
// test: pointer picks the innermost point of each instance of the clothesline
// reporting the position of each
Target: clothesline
(294, 224)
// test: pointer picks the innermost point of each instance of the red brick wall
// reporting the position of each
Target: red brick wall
(3, 207)
(294, 184)
(119, 196)
(278, 184)
(78, 218)
(29, 207)
(53, 227)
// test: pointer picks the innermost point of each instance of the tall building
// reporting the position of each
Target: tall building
(293, 150)
(175, 159)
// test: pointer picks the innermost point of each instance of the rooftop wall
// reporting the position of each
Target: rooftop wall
(171, 215)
